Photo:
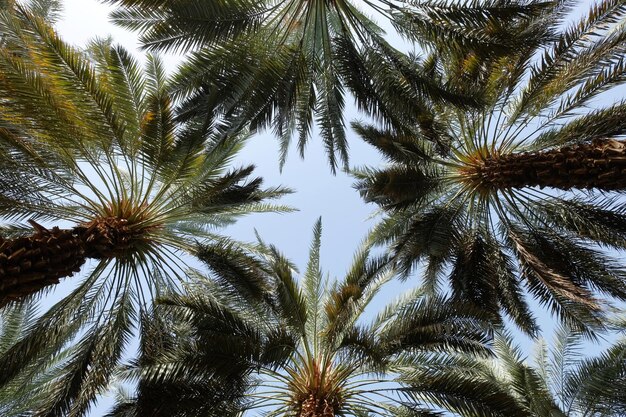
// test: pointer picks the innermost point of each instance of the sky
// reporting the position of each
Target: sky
(346, 219)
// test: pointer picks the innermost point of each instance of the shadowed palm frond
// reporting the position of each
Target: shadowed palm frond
(562, 381)
(287, 65)
(490, 200)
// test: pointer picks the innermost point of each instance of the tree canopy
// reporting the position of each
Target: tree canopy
(521, 195)
(502, 195)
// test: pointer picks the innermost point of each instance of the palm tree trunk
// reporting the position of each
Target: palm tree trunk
(29, 264)
(600, 164)
(316, 407)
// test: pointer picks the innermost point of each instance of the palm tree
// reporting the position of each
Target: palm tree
(519, 200)
(562, 382)
(287, 64)
(252, 338)
(88, 144)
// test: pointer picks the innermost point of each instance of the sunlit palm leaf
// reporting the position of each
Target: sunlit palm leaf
(89, 138)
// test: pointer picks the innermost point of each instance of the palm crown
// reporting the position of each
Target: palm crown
(285, 64)
(253, 338)
(88, 142)
(475, 209)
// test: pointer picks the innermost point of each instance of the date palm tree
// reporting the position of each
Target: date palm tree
(252, 339)
(287, 64)
(89, 147)
(525, 194)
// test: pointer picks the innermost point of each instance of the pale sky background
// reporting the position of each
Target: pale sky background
(318, 193)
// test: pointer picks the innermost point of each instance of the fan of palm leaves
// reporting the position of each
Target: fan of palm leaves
(88, 146)
(525, 194)
(562, 381)
(252, 339)
(287, 64)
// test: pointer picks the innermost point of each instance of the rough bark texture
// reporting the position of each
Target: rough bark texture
(600, 164)
(317, 407)
(31, 263)
(107, 238)
(28, 264)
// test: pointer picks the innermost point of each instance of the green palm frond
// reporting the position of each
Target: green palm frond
(292, 346)
(285, 65)
(50, 10)
(488, 199)
(23, 391)
(562, 382)
(597, 385)
(90, 143)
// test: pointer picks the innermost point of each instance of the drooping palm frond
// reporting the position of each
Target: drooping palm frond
(562, 380)
(50, 10)
(488, 199)
(286, 346)
(156, 395)
(13, 322)
(88, 143)
(285, 65)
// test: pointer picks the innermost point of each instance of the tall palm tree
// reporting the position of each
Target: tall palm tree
(253, 339)
(89, 146)
(524, 195)
(287, 64)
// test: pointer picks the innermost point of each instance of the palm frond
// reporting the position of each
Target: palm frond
(252, 336)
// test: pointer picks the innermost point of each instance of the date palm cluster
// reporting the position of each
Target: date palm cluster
(501, 197)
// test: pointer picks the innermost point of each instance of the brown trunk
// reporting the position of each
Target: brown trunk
(600, 164)
(29, 264)
(108, 237)
(316, 407)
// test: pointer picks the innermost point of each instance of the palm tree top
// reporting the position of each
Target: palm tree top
(92, 156)
(298, 347)
(491, 197)
(286, 65)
